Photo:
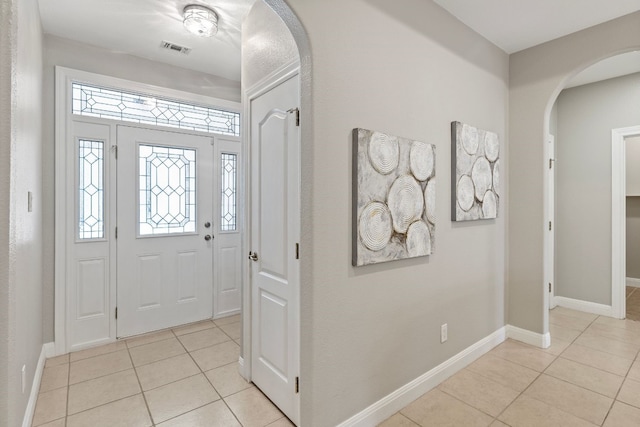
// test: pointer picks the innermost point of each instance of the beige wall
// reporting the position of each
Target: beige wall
(632, 157)
(21, 231)
(537, 75)
(408, 69)
(586, 116)
(79, 56)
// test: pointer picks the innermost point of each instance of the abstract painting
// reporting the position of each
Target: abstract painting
(394, 197)
(475, 173)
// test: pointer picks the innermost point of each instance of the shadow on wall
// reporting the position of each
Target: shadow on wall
(463, 44)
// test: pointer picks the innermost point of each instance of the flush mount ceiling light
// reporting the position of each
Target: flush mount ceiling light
(200, 20)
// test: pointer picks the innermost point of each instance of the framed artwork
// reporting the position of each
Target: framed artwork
(394, 196)
(475, 173)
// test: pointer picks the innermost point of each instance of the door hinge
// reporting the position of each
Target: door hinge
(115, 149)
(297, 384)
(297, 111)
(549, 286)
(550, 163)
(116, 232)
(116, 312)
(549, 225)
(297, 250)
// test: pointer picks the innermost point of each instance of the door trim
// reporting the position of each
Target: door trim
(618, 219)
(266, 84)
(62, 121)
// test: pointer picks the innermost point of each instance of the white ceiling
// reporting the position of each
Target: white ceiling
(514, 25)
(137, 27)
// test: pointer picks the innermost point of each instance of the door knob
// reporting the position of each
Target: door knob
(253, 256)
(207, 237)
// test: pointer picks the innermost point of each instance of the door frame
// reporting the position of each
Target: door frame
(550, 215)
(266, 84)
(619, 219)
(63, 117)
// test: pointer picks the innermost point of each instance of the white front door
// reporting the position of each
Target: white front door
(275, 230)
(164, 229)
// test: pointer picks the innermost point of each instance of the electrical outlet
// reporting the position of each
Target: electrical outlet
(443, 333)
(24, 377)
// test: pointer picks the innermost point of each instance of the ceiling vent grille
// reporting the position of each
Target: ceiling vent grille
(174, 47)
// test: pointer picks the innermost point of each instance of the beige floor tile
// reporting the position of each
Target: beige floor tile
(284, 422)
(253, 409)
(575, 313)
(99, 366)
(58, 360)
(570, 398)
(50, 406)
(218, 355)
(557, 347)
(226, 320)
(226, 380)
(398, 420)
(630, 393)
(54, 377)
(622, 415)
(628, 335)
(597, 359)
(194, 327)
(585, 376)
(232, 329)
(149, 338)
(202, 339)
(62, 422)
(524, 355)
(634, 372)
(155, 351)
(97, 351)
(92, 393)
(166, 371)
(527, 412)
(498, 423)
(128, 412)
(608, 345)
(480, 392)
(215, 414)
(504, 372)
(438, 409)
(179, 397)
(625, 324)
(562, 333)
(571, 322)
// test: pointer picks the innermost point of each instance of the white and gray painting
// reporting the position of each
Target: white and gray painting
(394, 188)
(475, 173)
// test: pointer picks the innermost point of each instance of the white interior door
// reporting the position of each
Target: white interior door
(551, 202)
(164, 241)
(275, 218)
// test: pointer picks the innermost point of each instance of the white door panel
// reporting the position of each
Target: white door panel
(165, 272)
(275, 231)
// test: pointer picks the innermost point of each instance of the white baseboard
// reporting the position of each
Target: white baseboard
(528, 337)
(635, 283)
(48, 350)
(392, 403)
(586, 306)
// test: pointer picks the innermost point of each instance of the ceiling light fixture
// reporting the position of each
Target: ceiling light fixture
(200, 20)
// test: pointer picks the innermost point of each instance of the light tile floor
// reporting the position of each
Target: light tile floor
(186, 376)
(590, 376)
(633, 303)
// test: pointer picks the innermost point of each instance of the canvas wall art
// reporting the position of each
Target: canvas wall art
(475, 173)
(394, 196)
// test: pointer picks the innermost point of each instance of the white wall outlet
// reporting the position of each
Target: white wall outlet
(443, 333)
(24, 377)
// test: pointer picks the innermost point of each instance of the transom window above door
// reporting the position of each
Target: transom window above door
(96, 101)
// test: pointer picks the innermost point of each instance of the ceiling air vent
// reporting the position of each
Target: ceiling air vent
(174, 47)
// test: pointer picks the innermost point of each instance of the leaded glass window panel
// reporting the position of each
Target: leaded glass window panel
(167, 190)
(90, 189)
(94, 101)
(229, 171)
